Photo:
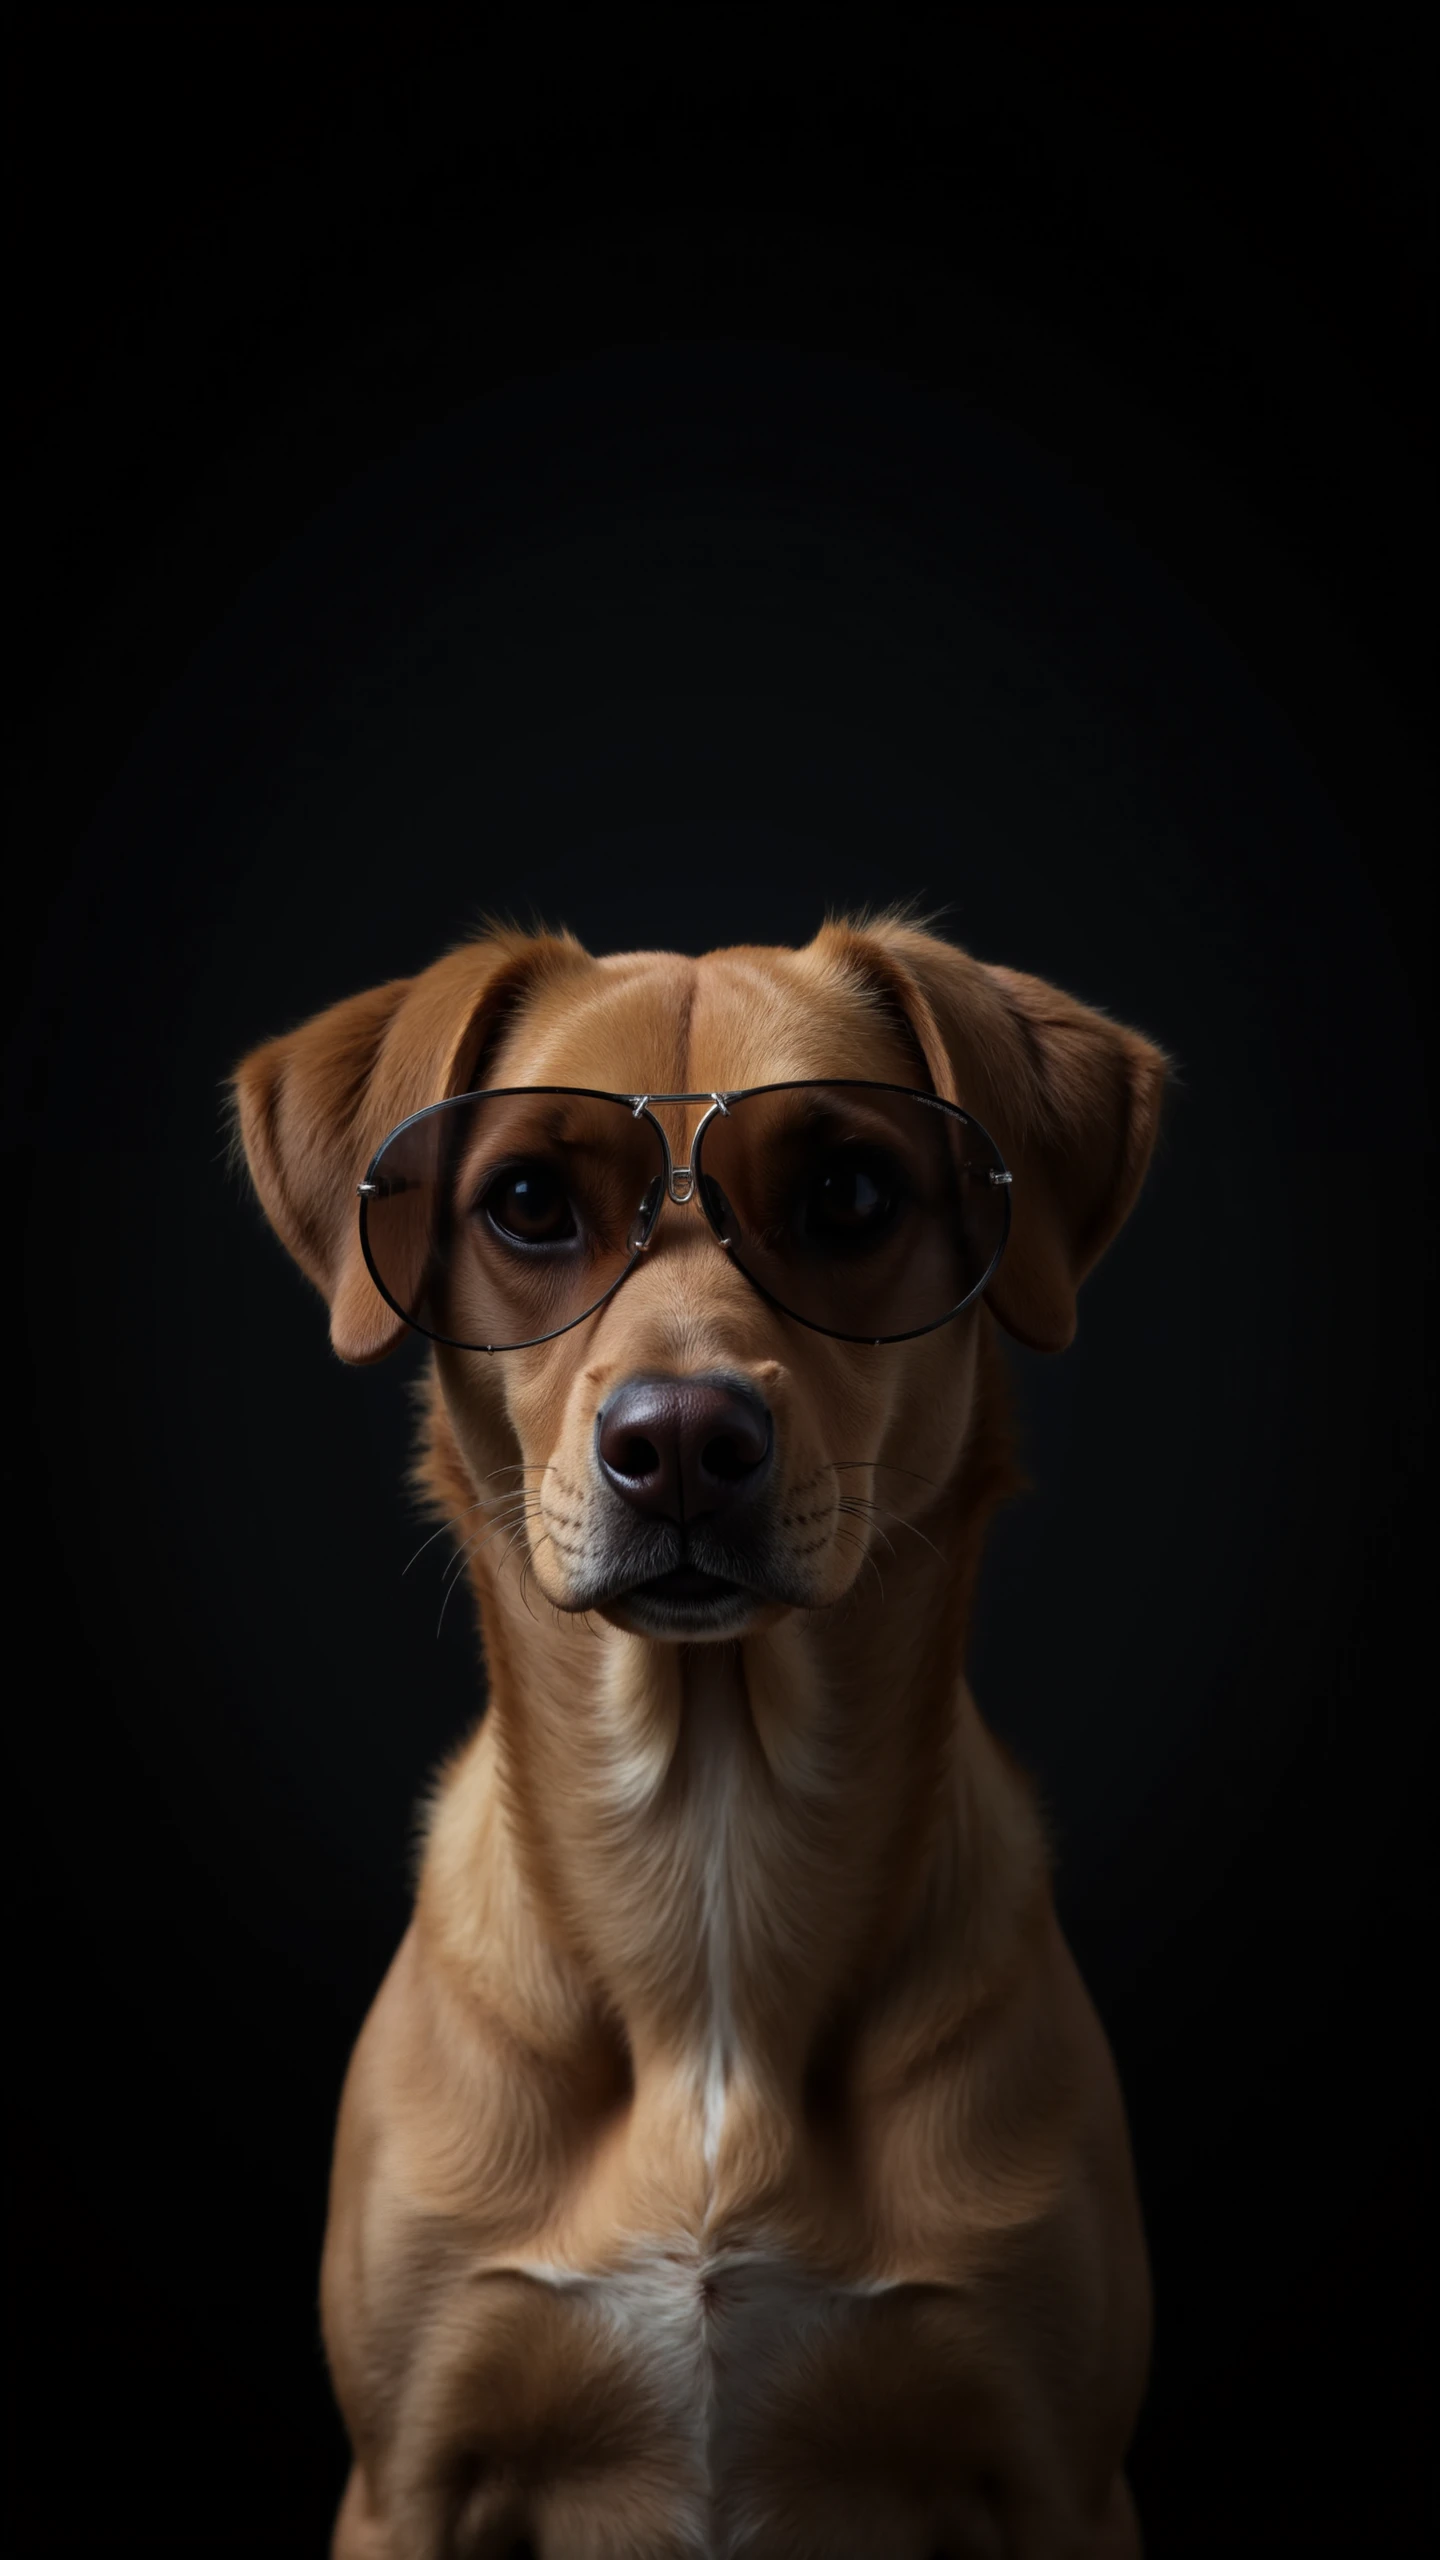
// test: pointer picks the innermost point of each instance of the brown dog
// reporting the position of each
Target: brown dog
(732, 2162)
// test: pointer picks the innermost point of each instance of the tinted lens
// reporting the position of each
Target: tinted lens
(504, 1217)
(869, 1213)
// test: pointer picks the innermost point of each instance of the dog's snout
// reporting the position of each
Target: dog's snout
(684, 1448)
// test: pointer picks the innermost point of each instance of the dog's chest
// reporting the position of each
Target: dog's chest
(636, 2388)
(718, 2406)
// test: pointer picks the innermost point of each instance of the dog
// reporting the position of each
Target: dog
(732, 2162)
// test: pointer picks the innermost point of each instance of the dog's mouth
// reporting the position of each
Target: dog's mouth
(685, 1601)
(688, 1585)
(687, 1582)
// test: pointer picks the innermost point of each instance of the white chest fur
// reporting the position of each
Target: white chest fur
(682, 1754)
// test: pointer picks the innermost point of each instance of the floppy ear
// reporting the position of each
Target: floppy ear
(312, 1108)
(1072, 1099)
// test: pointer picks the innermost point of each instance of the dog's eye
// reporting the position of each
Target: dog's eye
(526, 1204)
(852, 1199)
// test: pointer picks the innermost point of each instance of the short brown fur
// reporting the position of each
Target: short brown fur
(732, 2162)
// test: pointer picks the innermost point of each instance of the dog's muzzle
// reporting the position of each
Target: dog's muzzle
(686, 1540)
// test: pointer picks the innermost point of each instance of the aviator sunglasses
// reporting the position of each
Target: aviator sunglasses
(498, 1220)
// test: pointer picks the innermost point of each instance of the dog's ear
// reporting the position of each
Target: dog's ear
(312, 1108)
(1072, 1099)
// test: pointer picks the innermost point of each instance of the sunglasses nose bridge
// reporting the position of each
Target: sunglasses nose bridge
(680, 1183)
(681, 1180)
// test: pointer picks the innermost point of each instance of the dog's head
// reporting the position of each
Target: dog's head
(689, 1460)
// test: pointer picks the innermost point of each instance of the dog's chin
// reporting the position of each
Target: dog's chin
(687, 1606)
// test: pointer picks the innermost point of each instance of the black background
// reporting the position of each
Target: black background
(670, 478)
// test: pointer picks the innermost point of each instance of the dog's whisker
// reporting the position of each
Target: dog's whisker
(877, 1511)
(514, 1526)
(529, 1575)
(453, 1522)
(511, 1519)
(887, 1467)
(880, 1533)
(444, 1605)
(847, 1538)
(517, 1529)
(526, 1570)
(453, 1576)
(861, 1506)
(451, 1525)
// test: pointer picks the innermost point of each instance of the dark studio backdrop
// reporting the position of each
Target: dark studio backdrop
(673, 479)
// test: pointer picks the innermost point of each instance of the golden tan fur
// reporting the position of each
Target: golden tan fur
(732, 2161)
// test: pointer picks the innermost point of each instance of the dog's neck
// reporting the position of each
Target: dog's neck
(718, 1850)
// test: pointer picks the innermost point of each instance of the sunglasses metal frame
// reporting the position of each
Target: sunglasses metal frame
(691, 1176)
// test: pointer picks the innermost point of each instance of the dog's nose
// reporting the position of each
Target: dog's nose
(683, 1448)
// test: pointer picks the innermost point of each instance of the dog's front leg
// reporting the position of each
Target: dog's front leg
(360, 2533)
(486, 2527)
